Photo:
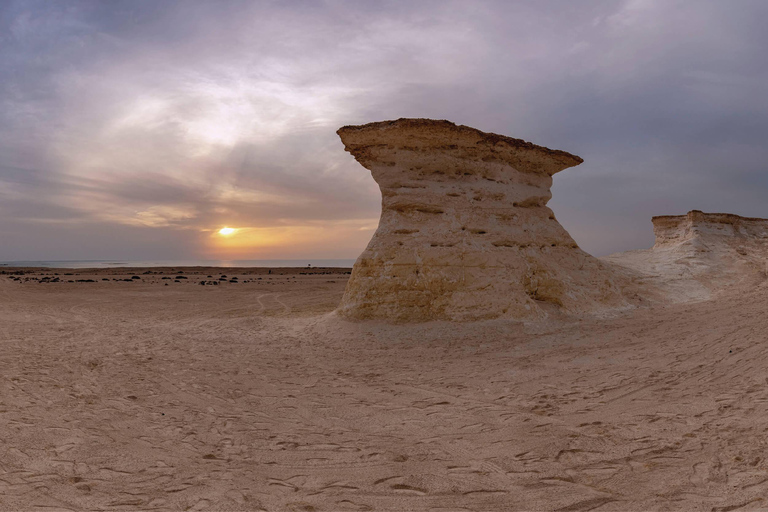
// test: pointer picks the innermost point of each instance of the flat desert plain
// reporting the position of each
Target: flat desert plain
(132, 395)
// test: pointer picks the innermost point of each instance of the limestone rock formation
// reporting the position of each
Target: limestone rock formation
(700, 253)
(465, 233)
(700, 230)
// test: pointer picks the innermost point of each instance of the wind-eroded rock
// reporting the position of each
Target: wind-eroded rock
(729, 229)
(465, 233)
(698, 254)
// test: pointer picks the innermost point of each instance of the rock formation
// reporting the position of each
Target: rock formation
(465, 233)
(699, 253)
(701, 230)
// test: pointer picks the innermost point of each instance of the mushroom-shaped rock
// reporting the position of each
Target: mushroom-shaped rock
(465, 233)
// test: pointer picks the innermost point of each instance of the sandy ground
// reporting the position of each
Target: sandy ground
(120, 395)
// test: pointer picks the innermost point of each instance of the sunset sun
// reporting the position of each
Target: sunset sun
(227, 231)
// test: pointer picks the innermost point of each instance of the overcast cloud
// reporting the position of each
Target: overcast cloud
(137, 129)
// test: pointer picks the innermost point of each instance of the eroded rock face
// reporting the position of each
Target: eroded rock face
(465, 233)
(676, 229)
(719, 247)
(700, 254)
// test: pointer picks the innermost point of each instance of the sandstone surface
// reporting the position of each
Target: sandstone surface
(699, 229)
(465, 233)
(700, 253)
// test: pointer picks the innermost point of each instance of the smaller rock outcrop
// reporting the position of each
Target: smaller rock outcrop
(721, 229)
(700, 253)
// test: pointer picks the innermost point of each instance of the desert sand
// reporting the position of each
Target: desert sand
(474, 359)
(134, 395)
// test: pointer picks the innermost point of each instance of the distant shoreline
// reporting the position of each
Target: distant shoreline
(102, 264)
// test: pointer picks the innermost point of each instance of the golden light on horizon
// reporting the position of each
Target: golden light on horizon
(227, 231)
(326, 239)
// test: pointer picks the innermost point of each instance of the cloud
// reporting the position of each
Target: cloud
(139, 118)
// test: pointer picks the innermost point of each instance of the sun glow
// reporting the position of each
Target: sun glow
(227, 231)
(279, 242)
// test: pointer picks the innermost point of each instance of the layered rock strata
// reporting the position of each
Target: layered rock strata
(730, 229)
(698, 254)
(465, 233)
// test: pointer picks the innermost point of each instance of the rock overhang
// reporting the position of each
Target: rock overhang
(465, 233)
(416, 134)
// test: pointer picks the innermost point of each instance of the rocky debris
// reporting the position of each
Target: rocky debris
(465, 233)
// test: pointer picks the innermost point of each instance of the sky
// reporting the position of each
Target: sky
(138, 129)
